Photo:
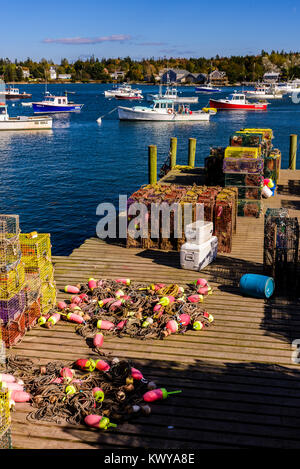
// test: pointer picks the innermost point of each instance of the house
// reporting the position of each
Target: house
(52, 73)
(64, 76)
(181, 76)
(218, 78)
(26, 72)
(271, 77)
(118, 75)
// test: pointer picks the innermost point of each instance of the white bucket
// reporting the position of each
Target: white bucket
(266, 192)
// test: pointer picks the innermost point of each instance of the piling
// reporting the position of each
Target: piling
(192, 152)
(173, 152)
(152, 164)
(293, 151)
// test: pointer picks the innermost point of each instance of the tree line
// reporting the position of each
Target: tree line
(238, 68)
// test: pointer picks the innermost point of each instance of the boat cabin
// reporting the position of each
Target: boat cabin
(57, 100)
(169, 106)
(237, 98)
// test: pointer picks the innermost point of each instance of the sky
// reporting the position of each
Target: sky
(139, 29)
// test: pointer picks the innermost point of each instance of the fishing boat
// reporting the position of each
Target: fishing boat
(237, 102)
(55, 104)
(172, 94)
(263, 92)
(164, 110)
(123, 89)
(23, 122)
(132, 95)
(208, 88)
(14, 93)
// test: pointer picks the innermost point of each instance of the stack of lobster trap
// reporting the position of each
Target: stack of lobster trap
(281, 247)
(5, 420)
(247, 161)
(27, 287)
(219, 206)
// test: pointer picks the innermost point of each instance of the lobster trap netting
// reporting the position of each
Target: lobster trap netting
(5, 420)
(12, 282)
(36, 249)
(47, 296)
(281, 246)
(10, 251)
(14, 330)
(32, 314)
(243, 165)
(12, 307)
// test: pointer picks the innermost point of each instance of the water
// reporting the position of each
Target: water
(55, 179)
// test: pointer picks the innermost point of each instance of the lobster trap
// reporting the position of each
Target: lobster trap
(10, 309)
(14, 331)
(5, 420)
(243, 165)
(12, 282)
(36, 251)
(32, 286)
(281, 246)
(10, 251)
(47, 297)
(242, 152)
(249, 192)
(243, 139)
(243, 179)
(249, 208)
(32, 313)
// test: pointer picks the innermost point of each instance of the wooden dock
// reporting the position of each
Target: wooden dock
(240, 387)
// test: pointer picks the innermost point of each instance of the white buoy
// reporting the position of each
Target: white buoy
(99, 120)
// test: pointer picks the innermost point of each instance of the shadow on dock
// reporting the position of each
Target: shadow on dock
(232, 405)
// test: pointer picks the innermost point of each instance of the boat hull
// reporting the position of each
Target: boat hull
(237, 107)
(39, 108)
(181, 99)
(204, 90)
(130, 114)
(31, 123)
(262, 96)
(126, 97)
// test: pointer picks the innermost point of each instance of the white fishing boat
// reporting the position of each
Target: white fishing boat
(123, 89)
(263, 92)
(23, 122)
(164, 110)
(171, 94)
(208, 88)
(13, 93)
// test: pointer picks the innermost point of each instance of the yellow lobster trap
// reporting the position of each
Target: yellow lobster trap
(5, 419)
(47, 296)
(242, 152)
(35, 248)
(12, 282)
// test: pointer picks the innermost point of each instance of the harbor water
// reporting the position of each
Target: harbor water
(56, 179)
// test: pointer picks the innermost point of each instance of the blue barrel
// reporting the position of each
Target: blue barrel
(259, 286)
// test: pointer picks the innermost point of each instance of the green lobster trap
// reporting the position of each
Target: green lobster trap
(35, 250)
(243, 179)
(249, 208)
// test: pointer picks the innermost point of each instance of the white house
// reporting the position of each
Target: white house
(271, 76)
(119, 74)
(25, 72)
(64, 76)
(52, 73)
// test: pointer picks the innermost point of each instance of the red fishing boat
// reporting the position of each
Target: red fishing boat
(237, 102)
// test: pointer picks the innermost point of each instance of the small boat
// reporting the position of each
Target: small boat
(263, 92)
(26, 104)
(14, 93)
(23, 122)
(55, 104)
(132, 95)
(123, 89)
(208, 88)
(237, 102)
(172, 94)
(164, 110)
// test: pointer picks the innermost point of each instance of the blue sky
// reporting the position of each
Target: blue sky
(79, 29)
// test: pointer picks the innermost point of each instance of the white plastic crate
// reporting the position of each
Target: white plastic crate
(199, 232)
(198, 256)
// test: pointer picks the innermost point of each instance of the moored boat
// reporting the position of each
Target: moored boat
(263, 92)
(55, 104)
(172, 94)
(164, 110)
(208, 88)
(237, 102)
(14, 93)
(23, 122)
(123, 89)
(129, 95)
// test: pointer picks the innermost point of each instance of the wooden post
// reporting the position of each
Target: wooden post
(173, 151)
(152, 164)
(293, 151)
(192, 152)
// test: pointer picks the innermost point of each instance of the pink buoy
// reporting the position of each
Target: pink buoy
(102, 303)
(157, 394)
(172, 326)
(75, 318)
(105, 325)
(20, 396)
(204, 290)
(92, 284)
(185, 319)
(83, 297)
(76, 300)
(195, 299)
(121, 324)
(54, 318)
(7, 378)
(124, 281)
(101, 365)
(67, 372)
(98, 394)
(201, 282)
(98, 421)
(71, 289)
(12, 386)
(98, 340)
(136, 374)
(62, 305)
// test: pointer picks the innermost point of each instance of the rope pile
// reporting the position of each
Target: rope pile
(136, 310)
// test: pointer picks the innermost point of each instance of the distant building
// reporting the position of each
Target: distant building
(181, 76)
(271, 77)
(218, 78)
(52, 73)
(64, 76)
(118, 75)
(26, 72)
